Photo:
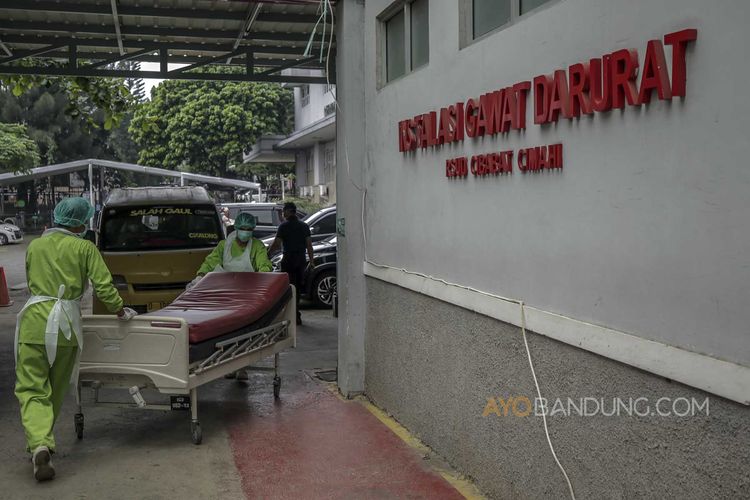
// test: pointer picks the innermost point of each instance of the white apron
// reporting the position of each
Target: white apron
(241, 264)
(65, 315)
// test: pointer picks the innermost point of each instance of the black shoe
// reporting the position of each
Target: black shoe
(42, 461)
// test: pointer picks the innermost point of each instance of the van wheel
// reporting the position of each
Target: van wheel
(324, 287)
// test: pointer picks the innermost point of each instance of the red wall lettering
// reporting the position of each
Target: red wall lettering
(654, 73)
(595, 86)
(624, 66)
(679, 40)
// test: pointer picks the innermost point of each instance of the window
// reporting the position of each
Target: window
(488, 15)
(329, 161)
(309, 167)
(479, 17)
(325, 225)
(163, 227)
(304, 92)
(405, 33)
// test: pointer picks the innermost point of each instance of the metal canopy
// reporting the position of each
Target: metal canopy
(88, 37)
(74, 166)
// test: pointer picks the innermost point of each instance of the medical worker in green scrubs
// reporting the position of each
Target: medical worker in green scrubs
(239, 253)
(48, 329)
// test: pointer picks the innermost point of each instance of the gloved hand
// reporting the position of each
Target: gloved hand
(127, 314)
(195, 281)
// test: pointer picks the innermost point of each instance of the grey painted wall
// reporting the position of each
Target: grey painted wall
(435, 367)
(350, 133)
(646, 230)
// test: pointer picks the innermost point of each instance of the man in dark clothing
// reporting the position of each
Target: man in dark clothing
(294, 235)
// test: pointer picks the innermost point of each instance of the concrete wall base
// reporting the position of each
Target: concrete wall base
(435, 370)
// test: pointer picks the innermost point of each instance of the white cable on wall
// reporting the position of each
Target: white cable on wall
(440, 280)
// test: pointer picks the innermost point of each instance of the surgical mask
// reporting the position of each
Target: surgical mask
(243, 235)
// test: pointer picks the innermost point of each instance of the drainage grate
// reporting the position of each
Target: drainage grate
(327, 375)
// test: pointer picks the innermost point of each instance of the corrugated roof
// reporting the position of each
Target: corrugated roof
(274, 34)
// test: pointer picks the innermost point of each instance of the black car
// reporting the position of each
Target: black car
(322, 225)
(319, 284)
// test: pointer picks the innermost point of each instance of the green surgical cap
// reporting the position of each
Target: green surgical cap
(244, 220)
(73, 212)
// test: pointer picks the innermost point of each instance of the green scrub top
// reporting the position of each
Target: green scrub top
(61, 259)
(258, 256)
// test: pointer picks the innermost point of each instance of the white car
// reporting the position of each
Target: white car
(10, 234)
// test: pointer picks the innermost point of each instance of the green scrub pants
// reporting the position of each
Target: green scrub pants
(41, 389)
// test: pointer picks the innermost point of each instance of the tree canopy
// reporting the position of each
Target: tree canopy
(18, 152)
(59, 135)
(110, 97)
(205, 126)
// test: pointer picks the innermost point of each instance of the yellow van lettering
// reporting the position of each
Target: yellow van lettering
(202, 236)
(178, 211)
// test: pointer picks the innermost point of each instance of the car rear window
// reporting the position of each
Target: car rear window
(163, 227)
(264, 216)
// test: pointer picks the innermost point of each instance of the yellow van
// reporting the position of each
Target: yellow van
(153, 241)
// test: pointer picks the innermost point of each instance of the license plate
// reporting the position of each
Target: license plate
(180, 402)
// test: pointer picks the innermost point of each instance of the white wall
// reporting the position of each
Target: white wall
(647, 228)
(313, 112)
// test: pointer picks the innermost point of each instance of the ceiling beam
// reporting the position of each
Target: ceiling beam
(116, 20)
(32, 53)
(122, 57)
(127, 10)
(35, 26)
(164, 75)
(287, 65)
(6, 49)
(208, 61)
(146, 55)
(252, 15)
(132, 44)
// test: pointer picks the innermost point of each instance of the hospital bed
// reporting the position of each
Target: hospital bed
(225, 323)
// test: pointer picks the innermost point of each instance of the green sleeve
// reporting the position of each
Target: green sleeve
(102, 280)
(261, 262)
(213, 259)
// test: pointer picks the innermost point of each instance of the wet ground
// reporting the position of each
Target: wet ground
(308, 444)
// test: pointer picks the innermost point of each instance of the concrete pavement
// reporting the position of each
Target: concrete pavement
(309, 444)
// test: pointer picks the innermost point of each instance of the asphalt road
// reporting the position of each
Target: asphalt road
(130, 453)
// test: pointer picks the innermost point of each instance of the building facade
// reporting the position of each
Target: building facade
(311, 146)
(575, 168)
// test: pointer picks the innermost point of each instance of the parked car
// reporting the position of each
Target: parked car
(269, 216)
(10, 233)
(322, 225)
(319, 284)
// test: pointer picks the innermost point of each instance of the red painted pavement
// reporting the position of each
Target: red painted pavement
(313, 445)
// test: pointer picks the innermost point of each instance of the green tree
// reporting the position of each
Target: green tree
(109, 97)
(59, 136)
(205, 126)
(18, 152)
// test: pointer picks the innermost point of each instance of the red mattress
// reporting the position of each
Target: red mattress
(224, 302)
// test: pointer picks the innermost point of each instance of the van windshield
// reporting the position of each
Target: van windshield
(163, 227)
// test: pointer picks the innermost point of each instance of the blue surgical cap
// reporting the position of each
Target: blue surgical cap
(73, 212)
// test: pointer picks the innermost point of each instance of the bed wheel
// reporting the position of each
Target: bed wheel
(195, 429)
(276, 387)
(78, 419)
